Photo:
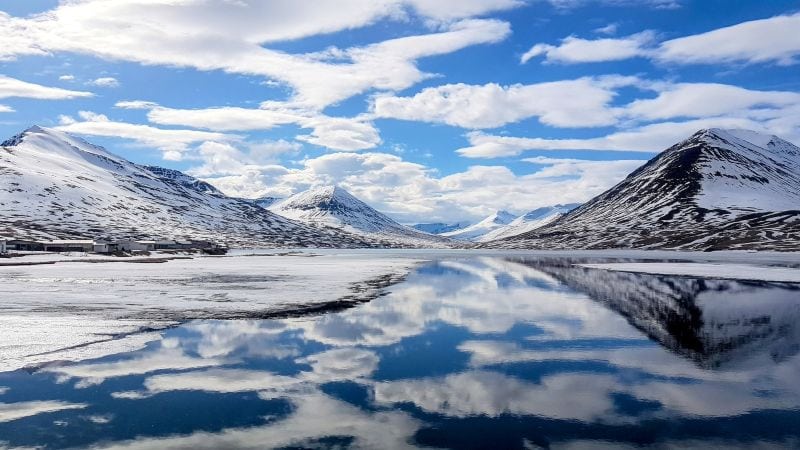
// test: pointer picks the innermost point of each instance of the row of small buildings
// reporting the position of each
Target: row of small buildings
(107, 247)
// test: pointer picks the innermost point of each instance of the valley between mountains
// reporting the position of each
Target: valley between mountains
(717, 190)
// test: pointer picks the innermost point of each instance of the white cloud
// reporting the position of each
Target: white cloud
(225, 159)
(648, 138)
(576, 50)
(67, 77)
(609, 29)
(220, 35)
(456, 9)
(172, 142)
(336, 133)
(11, 87)
(708, 100)
(109, 82)
(703, 104)
(6, 109)
(768, 40)
(584, 102)
(759, 41)
(340, 133)
(135, 104)
(657, 4)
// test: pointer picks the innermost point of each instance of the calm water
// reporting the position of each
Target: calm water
(472, 353)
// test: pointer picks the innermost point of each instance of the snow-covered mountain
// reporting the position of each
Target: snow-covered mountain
(440, 227)
(719, 189)
(265, 202)
(530, 221)
(334, 207)
(54, 185)
(474, 232)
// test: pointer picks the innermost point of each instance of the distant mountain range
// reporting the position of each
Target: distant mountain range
(474, 232)
(439, 227)
(719, 189)
(530, 221)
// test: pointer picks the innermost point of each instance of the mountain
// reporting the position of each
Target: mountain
(264, 202)
(439, 227)
(528, 222)
(54, 185)
(334, 207)
(474, 232)
(719, 189)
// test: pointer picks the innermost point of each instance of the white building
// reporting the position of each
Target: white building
(136, 246)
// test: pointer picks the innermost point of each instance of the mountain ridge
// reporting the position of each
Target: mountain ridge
(54, 185)
(714, 190)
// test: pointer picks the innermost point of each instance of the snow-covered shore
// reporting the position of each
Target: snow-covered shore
(72, 310)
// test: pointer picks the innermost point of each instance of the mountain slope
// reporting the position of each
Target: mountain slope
(719, 189)
(334, 207)
(474, 232)
(439, 227)
(528, 222)
(56, 185)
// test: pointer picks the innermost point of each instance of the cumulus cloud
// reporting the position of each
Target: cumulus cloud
(12, 87)
(221, 35)
(682, 108)
(67, 77)
(6, 109)
(584, 102)
(109, 82)
(772, 40)
(411, 192)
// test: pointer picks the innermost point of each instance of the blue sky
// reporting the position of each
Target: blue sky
(427, 109)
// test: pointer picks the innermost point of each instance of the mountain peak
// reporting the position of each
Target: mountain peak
(738, 138)
(334, 207)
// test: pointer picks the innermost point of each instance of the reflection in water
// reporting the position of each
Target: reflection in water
(477, 352)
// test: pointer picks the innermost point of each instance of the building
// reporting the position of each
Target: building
(68, 246)
(24, 246)
(166, 245)
(136, 246)
(105, 247)
(3, 247)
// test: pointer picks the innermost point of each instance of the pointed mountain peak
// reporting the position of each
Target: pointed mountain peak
(737, 138)
(15, 140)
(36, 129)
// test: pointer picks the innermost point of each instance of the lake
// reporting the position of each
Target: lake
(465, 352)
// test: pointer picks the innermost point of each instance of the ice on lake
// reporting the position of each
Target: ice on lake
(465, 352)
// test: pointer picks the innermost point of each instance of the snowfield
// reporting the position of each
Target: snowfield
(74, 310)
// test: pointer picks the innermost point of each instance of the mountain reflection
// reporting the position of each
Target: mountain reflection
(473, 352)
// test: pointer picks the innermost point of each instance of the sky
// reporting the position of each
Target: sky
(428, 110)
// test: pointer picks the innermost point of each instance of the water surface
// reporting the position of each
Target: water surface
(477, 352)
